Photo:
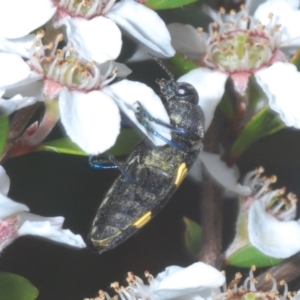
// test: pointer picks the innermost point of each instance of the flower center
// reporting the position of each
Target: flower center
(240, 51)
(281, 205)
(63, 67)
(240, 44)
(84, 8)
(248, 290)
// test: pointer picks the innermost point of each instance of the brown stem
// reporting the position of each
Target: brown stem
(287, 271)
(211, 210)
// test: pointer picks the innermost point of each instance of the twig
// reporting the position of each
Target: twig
(211, 210)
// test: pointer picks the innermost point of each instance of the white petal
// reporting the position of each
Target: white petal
(297, 296)
(4, 182)
(144, 53)
(19, 46)
(186, 40)
(193, 279)
(279, 239)
(210, 86)
(29, 89)
(98, 39)
(9, 106)
(91, 120)
(284, 14)
(18, 17)
(143, 24)
(222, 174)
(9, 207)
(251, 5)
(280, 82)
(13, 70)
(195, 173)
(123, 70)
(126, 93)
(50, 228)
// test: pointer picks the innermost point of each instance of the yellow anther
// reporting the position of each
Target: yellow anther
(276, 27)
(260, 26)
(273, 178)
(115, 285)
(222, 10)
(292, 198)
(200, 30)
(268, 276)
(282, 191)
(90, 64)
(260, 170)
(59, 37)
(40, 33)
(37, 44)
(215, 25)
(49, 46)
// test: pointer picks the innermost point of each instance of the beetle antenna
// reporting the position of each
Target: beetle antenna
(161, 64)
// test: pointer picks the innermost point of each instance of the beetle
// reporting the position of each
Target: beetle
(151, 174)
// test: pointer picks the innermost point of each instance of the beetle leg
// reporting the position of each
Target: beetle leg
(104, 161)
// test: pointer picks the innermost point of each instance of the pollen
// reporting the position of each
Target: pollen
(84, 8)
(278, 202)
(63, 67)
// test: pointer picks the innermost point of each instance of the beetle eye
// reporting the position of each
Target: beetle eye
(187, 92)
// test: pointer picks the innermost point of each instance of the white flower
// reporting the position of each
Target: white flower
(88, 106)
(91, 25)
(269, 217)
(248, 290)
(15, 221)
(19, 46)
(271, 225)
(219, 172)
(8, 80)
(239, 45)
(195, 282)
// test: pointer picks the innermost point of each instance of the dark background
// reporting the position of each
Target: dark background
(64, 185)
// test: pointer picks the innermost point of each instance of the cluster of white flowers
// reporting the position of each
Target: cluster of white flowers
(35, 68)
(268, 216)
(198, 281)
(15, 221)
(258, 40)
(62, 52)
(271, 213)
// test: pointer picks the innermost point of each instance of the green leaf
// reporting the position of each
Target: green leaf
(4, 123)
(62, 146)
(249, 255)
(167, 4)
(192, 236)
(126, 141)
(16, 287)
(265, 122)
(180, 65)
(296, 59)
